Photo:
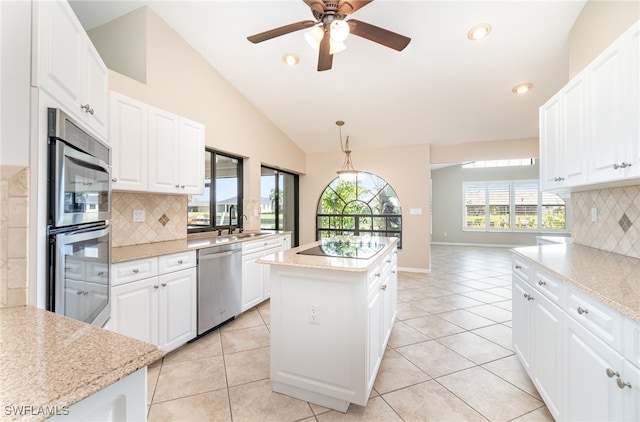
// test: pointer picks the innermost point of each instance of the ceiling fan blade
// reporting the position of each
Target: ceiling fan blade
(379, 35)
(315, 5)
(325, 58)
(276, 32)
(346, 7)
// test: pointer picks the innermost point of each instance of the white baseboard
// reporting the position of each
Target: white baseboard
(414, 270)
(484, 245)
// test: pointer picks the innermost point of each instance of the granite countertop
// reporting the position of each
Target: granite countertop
(51, 360)
(192, 242)
(291, 258)
(608, 277)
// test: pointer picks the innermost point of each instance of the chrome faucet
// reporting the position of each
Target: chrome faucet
(232, 211)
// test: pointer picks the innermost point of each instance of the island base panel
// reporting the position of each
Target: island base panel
(310, 396)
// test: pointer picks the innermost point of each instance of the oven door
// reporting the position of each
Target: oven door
(81, 186)
(81, 274)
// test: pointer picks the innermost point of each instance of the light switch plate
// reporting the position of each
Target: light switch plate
(138, 216)
(415, 211)
(594, 214)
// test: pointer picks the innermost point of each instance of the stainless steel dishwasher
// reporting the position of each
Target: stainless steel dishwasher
(219, 285)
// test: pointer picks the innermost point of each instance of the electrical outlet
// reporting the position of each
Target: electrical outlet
(594, 215)
(138, 216)
(313, 314)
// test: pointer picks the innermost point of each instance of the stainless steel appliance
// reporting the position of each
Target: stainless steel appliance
(79, 195)
(219, 285)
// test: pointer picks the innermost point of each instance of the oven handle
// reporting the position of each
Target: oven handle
(84, 234)
(83, 157)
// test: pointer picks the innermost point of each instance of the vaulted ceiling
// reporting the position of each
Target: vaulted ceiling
(441, 89)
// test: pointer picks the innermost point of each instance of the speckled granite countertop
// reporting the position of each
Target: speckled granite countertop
(51, 360)
(291, 258)
(192, 242)
(608, 277)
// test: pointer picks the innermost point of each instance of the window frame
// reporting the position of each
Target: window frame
(296, 202)
(212, 226)
(513, 186)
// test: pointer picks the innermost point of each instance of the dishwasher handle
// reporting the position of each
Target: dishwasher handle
(218, 255)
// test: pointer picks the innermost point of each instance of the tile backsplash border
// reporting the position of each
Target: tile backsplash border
(617, 228)
(14, 235)
(165, 218)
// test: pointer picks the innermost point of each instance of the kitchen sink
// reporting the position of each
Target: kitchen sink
(242, 236)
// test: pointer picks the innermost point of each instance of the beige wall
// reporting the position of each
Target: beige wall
(180, 80)
(597, 26)
(490, 150)
(406, 169)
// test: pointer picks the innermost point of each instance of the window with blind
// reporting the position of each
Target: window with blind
(511, 206)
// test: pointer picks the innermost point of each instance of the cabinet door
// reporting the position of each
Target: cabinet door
(266, 282)
(590, 393)
(632, 106)
(252, 280)
(574, 139)
(521, 323)
(177, 308)
(96, 91)
(163, 151)
(135, 309)
(630, 384)
(550, 145)
(128, 138)
(375, 314)
(607, 92)
(191, 166)
(61, 54)
(286, 242)
(546, 352)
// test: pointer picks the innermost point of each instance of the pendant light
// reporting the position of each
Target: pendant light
(347, 171)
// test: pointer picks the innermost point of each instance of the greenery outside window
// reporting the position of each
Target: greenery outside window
(364, 205)
(279, 202)
(512, 206)
(222, 197)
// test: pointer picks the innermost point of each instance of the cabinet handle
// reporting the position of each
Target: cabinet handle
(100, 273)
(114, 180)
(542, 283)
(135, 271)
(582, 311)
(79, 292)
(622, 165)
(155, 287)
(528, 297)
(182, 186)
(87, 108)
(383, 287)
(180, 261)
(611, 373)
(623, 384)
(177, 186)
(518, 267)
(377, 274)
(164, 284)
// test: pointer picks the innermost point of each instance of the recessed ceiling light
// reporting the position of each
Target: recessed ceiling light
(291, 59)
(479, 32)
(522, 88)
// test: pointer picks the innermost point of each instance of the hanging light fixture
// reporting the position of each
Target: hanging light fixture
(347, 171)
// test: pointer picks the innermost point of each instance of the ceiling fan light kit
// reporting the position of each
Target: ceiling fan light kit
(330, 29)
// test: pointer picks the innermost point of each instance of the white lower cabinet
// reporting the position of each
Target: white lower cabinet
(156, 307)
(255, 277)
(578, 352)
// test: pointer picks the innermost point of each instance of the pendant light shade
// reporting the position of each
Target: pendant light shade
(347, 171)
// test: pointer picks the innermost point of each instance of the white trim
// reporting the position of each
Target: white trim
(414, 270)
(487, 245)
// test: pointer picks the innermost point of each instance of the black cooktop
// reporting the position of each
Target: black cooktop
(358, 249)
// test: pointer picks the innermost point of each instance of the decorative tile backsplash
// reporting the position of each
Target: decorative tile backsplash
(618, 214)
(165, 218)
(14, 218)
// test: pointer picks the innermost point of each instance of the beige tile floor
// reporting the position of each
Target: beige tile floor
(449, 358)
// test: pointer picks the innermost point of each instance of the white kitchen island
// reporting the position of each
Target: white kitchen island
(331, 318)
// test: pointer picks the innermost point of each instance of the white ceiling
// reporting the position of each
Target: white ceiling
(442, 89)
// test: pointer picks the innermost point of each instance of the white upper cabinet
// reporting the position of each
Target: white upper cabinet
(68, 66)
(590, 130)
(128, 139)
(154, 150)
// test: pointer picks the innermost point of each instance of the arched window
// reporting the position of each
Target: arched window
(364, 204)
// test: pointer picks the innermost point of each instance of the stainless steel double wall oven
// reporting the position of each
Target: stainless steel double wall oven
(79, 197)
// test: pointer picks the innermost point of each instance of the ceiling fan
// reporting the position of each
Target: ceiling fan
(330, 15)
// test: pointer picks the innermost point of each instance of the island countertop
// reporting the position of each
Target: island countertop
(291, 258)
(51, 361)
(608, 277)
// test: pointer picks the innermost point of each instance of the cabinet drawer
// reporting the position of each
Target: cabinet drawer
(262, 244)
(176, 262)
(521, 268)
(125, 272)
(602, 321)
(549, 286)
